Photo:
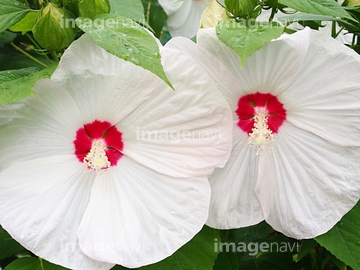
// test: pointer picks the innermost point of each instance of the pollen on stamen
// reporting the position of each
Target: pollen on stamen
(261, 135)
(97, 159)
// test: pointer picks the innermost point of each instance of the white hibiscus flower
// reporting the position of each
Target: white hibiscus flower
(184, 16)
(296, 148)
(107, 165)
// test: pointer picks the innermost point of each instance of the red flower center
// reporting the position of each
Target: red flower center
(250, 105)
(100, 142)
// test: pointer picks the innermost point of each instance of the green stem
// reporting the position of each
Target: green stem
(333, 29)
(54, 55)
(148, 12)
(37, 45)
(41, 263)
(28, 55)
(273, 12)
(161, 35)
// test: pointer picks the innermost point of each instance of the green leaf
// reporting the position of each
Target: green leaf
(16, 85)
(259, 247)
(226, 260)
(8, 246)
(300, 16)
(246, 40)
(157, 17)
(32, 264)
(321, 7)
(7, 37)
(197, 254)
(11, 12)
(16, 61)
(132, 9)
(126, 39)
(26, 24)
(343, 240)
(305, 248)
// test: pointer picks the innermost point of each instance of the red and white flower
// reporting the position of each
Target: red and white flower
(296, 148)
(82, 186)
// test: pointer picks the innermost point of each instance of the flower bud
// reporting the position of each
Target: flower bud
(241, 8)
(212, 15)
(52, 29)
(92, 8)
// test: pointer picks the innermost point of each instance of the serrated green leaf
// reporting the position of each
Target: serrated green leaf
(32, 264)
(197, 254)
(11, 12)
(26, 24)
(132, 9)
(246, 40)
(16, 85)
(126, 39)
(321, 7)
(8, 246)
(343, 240)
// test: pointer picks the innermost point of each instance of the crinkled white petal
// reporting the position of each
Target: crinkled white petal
(111, 98)
(137, 216)
(306, 184)
(324, 98)
(270, 69)
(216, 69)
(8, 112)
(84, 57)
(42, 202)
(104, 86)
(185, 21)
(45, 126)
(233, 201)
(181, 133)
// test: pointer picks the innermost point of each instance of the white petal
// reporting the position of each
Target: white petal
(181, 133)
(84, 57)
(42, 202)
(270, 69)
(45, 126)
(171, 6)
(138, 217)
(324, 98)
(8, 112)
(111, 98)
(217, 70)
(185, 21)
(104, 86)
(305, 184)
(233, 200)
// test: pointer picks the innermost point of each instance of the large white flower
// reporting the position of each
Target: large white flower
(107, 165)
(296, 148)
(184, 16)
